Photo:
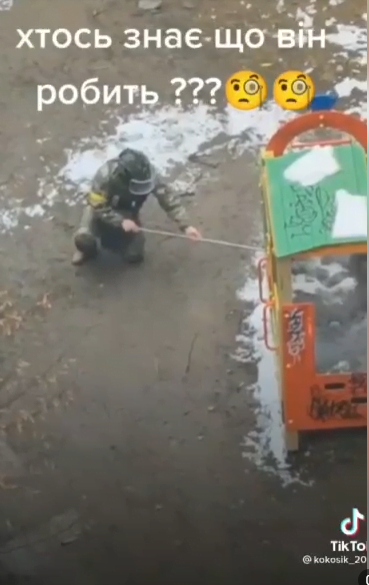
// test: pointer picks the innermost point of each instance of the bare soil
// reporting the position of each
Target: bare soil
(122, 410)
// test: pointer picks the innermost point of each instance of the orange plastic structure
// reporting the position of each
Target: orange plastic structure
(311, 401)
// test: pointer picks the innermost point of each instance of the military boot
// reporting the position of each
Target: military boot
(85, 240)
(135, 253)
(86, 249)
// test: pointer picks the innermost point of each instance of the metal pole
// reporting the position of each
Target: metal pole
(204, 240)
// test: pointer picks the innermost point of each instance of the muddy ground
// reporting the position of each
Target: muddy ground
(122, 410)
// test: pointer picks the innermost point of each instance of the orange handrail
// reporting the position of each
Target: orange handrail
(335, 142)
(260, 269)
(267, 307)
(334, 120)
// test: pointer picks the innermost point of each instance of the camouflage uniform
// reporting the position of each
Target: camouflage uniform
(109, 203)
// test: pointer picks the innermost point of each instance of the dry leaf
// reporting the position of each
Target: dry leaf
(5, 486)
(45, 303)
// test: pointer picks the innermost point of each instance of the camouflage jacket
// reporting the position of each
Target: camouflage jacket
(112, 203)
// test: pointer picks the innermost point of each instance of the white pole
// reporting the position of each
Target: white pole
(204, 240)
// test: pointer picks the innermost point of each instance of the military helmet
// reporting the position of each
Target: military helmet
(138, 171)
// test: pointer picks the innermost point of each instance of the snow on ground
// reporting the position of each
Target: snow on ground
(332, 286)
(6, 4)
(169, 136)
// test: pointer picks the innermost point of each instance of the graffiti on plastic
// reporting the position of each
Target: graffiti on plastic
(296, 334)
(323, 407)
(358, 384)
(312, 210)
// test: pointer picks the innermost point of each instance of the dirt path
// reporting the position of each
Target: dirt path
(123, 411)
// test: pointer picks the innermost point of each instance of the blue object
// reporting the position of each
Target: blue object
(324, 101)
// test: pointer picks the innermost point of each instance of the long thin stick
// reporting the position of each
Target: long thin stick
(205, 240)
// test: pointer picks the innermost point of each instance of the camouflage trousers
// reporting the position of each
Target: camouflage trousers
(93, 231)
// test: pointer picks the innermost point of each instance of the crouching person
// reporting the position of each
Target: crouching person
(112, 214)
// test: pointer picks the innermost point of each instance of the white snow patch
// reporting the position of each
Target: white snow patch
(330, 284)
(345, 87)
(280, 6)
(312, 167)
(305, 19)
(8, 219)
(264, 446)
(350, 37)
(351, 216)
(330, 21)
(34, 210)
(169, 136)
(6, 4)
(305, 283)
(341, 320)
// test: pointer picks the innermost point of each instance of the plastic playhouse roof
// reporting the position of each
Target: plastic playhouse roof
(317, 197)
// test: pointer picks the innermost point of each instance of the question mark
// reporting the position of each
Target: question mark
(182, 84)
(217, 85)
(200, 84)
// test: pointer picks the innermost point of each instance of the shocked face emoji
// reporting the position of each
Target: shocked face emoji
(246, 90)
(294, 90)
